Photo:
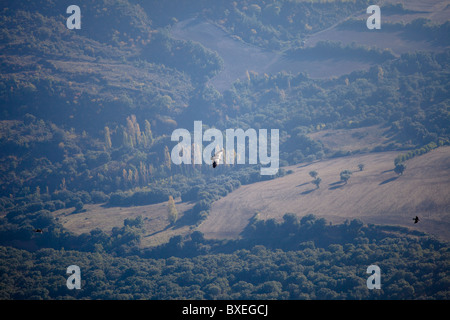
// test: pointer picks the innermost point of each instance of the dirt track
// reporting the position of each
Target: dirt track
(375, 195)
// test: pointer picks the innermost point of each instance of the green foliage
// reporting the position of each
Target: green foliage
(137, 222)
(186, 56)
(139, 198)
(172, 212)
(317, 182)
(400, 168)
(43, 152)
(416, 152)
(420, 28)
(281, 24)
(295, 266)
(345, 175)
(335, 50)
(313, 173)
(73, 105)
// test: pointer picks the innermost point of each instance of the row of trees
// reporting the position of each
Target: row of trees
(416, 152)
(420, 28)
(400, 160)
(140, 197)
(337, 50)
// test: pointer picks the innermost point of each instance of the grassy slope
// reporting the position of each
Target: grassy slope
(375, 195)
(364, 196)
(157, 228)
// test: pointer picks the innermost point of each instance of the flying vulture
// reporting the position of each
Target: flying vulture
(216, 158)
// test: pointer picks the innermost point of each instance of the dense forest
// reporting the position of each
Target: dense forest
(86, 117)
(305, 260)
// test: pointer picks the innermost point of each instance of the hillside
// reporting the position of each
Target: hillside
(156, 226)
(240, 57)
(351, 140)
(399, 40)
(89, 119)
(375, 195)
(397, 35)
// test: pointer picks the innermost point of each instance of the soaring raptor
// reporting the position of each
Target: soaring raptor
(217, 158)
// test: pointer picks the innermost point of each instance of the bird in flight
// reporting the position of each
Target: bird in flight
(38, 230)
(416, 219)
(216, 158)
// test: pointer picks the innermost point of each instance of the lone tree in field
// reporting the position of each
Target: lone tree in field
(313, 174)
(361, 166)
(78, 206)
(317, 182)
(400, 168)
(172, 212)
(345, 175)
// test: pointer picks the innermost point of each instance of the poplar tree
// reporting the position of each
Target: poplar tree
(148, 131)
(108, 143)
(172, 212)
(167, 161)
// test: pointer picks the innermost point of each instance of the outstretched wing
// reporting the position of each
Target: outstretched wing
(217, 158)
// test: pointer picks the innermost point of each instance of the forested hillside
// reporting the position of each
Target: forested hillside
(86, 117)
(322, 267)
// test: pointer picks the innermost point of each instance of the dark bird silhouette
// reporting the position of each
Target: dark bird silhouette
(38, 230)
(416, 219)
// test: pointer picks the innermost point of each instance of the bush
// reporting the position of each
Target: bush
(191, 195)
(41, 219)
(99, 197)
(117, 199)
(141, 197)
(50, 206)
(78, 205)
(59, 204)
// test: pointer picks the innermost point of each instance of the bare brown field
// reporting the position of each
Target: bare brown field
(156, 225)
(375, 195)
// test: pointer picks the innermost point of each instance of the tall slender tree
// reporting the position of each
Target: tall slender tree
(108, 143)
(172, 213)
